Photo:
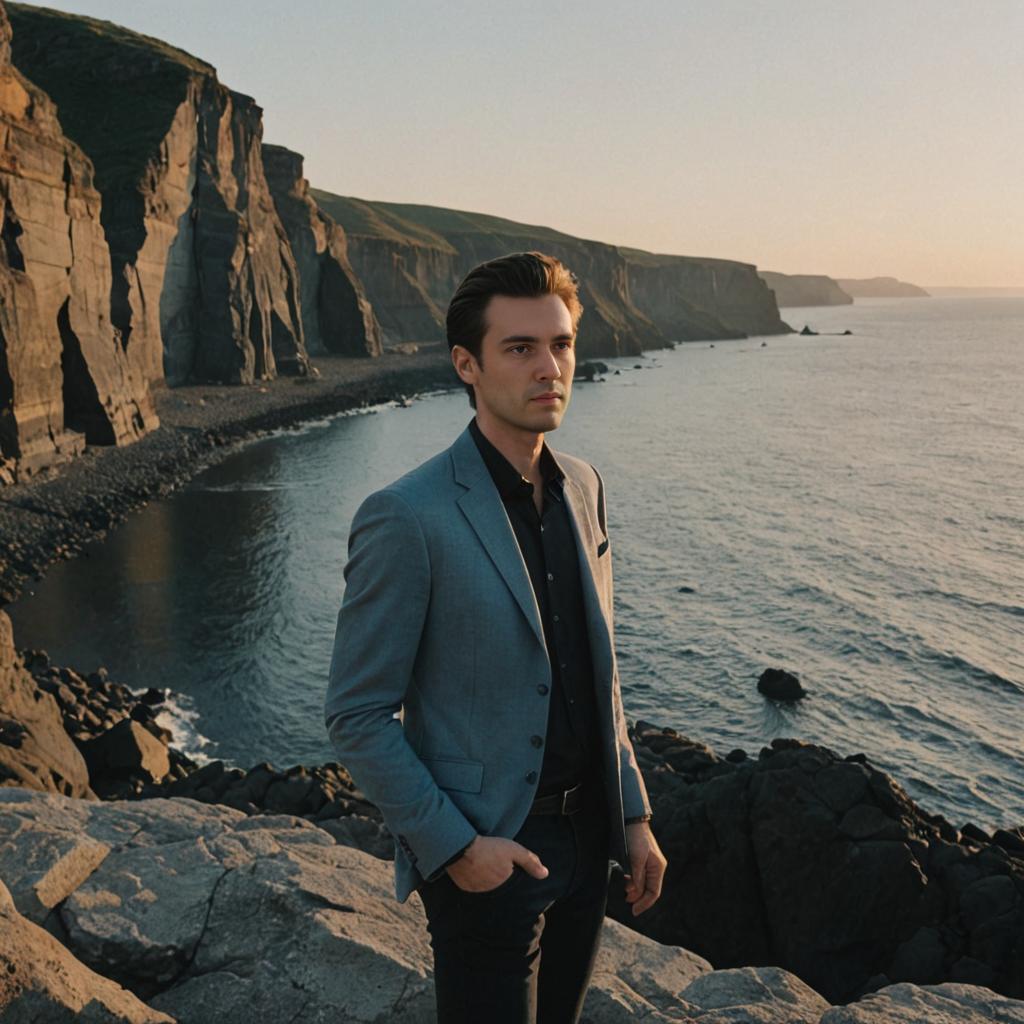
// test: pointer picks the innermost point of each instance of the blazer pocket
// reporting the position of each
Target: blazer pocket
(602, 547)
(455, 773)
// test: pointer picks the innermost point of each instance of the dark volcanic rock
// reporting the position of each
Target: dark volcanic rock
(779, 684)
(336, 315)
(590, 369)
(824, 866)
(205, 287)
(123, 751)
(65, 377)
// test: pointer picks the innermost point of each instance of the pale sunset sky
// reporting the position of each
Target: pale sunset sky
(849, 139)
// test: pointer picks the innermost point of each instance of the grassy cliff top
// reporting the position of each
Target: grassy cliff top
(94, 37)
(661, 259)
(116, 90)
(419, 224)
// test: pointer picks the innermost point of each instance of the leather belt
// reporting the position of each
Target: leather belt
(567, 801)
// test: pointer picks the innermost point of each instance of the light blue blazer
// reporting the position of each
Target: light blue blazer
(434, 684)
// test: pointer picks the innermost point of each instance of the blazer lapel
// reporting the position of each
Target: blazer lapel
(482, 506)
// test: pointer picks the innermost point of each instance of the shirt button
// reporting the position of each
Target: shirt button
(572, 700)
(531, 776)
(537, 740)
(551, 576)
(555, 617)
(562, 664)
(542, 688)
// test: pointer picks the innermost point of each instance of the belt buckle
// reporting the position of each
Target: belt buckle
(565, 797)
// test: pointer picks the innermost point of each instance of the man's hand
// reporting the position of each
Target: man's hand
(646, 867)
(489, 860)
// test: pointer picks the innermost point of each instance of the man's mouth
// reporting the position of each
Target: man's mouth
(548, 396)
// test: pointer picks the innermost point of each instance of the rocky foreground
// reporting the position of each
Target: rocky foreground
(145, 887)
(175, 910)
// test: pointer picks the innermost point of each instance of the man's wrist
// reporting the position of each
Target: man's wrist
(638, 818)
(459, 855)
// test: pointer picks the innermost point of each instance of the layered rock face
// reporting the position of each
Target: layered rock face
(690, 298)
(65, 375)
(806, 289)
(205, 287)
(411, 258)
(336, 314)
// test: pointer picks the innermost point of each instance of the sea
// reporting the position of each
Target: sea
(846, 506)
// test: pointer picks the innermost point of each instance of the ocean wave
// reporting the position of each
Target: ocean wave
(972, 602)
(178, 714)
(960, 664)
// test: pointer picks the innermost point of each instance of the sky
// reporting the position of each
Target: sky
(853, 139)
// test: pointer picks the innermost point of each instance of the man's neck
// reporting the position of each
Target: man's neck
(522, 448)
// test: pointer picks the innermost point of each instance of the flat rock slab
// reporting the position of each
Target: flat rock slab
(206, 913)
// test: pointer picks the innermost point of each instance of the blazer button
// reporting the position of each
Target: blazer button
(537, 741)
(542, 688)
(531, 776)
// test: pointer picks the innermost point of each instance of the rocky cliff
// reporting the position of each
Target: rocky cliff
(66, 377)
(880, 288)
(805, 289)
(411, 257)
(336, 315)
(204, 287)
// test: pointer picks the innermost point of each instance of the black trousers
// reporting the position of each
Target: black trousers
(523, 953)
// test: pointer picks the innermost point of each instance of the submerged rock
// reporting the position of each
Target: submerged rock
(779, 684)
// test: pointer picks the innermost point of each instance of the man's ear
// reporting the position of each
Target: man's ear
(465, 364)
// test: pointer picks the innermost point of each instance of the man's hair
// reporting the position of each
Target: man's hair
(517, 275)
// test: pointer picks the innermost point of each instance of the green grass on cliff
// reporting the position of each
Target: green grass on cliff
(116, 90)
(418, 224)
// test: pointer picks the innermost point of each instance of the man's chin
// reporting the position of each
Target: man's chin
(547, 419)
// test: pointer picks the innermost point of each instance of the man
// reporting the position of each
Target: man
(473, 692)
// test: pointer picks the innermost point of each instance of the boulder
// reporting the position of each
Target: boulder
(35, 750)
(40, 980)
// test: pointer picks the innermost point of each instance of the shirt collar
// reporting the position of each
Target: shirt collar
(508, 480)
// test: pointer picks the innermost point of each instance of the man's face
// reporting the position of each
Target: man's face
(528, 355)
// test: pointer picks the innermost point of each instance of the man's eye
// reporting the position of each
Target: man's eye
(518, 348)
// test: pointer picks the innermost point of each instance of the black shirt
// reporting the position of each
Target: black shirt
(548, 545)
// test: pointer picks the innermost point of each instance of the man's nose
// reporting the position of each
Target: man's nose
(548, 367)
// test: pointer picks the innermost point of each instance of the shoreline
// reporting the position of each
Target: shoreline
(55, 514)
